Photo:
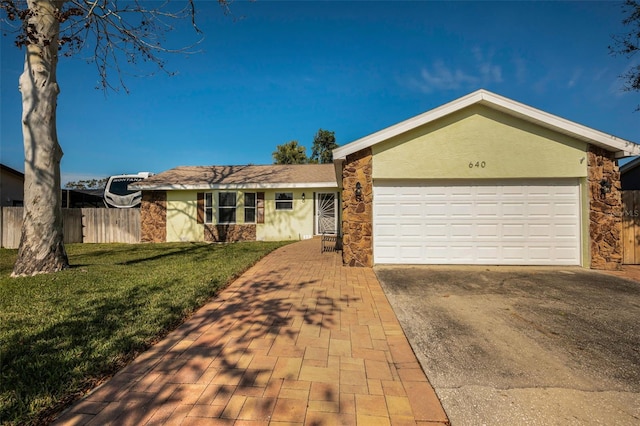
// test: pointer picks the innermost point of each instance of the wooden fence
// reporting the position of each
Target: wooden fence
(631, 227)
(86, 225)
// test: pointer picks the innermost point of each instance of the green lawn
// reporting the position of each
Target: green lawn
(62, 333)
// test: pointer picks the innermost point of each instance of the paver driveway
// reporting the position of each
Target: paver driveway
(523, 346)
(298, 339)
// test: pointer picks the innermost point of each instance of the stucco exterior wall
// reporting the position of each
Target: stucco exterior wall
(182, 209)
(279, 225)
(479, 143)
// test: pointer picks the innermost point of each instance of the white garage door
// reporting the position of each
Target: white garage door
(492, 223)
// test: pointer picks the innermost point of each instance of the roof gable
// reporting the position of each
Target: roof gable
(621, 147)
(12, 171)
(630, 165)
(249, 176)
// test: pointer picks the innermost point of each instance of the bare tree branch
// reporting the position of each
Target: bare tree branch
(125, 35)
(628, 44)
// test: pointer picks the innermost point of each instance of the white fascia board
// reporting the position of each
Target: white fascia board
(237, 186)
(621, 147)
(337, 164)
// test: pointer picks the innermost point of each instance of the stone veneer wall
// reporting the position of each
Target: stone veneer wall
(229, 233)
(605, 211)
(357, 215)
(153, 217)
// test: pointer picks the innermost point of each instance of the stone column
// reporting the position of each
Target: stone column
(153, 217)
(605, 210)
(357, 212)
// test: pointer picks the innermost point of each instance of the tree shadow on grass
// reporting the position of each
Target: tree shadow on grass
(141, 253)
(75, 352)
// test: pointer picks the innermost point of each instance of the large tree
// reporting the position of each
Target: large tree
(324, 142)
(114, 32)
(290, 153)
(628, 44)
(87, 184)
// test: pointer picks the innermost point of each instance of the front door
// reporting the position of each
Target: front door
(326, 213)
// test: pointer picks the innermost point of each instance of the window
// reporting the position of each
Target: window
(250, 207)
(227, 207)
(284, 200)
(208, 207)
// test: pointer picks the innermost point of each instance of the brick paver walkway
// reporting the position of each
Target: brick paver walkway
(298, 339)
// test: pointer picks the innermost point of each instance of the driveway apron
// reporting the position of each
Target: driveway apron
(523, 345)
(298, 339)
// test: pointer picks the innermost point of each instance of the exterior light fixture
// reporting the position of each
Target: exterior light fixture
(358, 191)
(605, 187)
(303, 197)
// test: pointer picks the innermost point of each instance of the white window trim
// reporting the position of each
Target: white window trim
(208, 207)
(284, 201)
(254, 207)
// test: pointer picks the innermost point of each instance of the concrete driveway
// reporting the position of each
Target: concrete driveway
(528, 345)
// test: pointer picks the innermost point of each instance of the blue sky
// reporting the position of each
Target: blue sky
(281, 70)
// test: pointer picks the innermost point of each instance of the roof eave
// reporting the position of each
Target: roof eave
(630, 165)
(194, 187)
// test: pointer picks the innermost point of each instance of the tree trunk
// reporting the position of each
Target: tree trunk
(41, 243)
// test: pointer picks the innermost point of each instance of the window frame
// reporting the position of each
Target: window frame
(286, 202)
(227, 208)
(249, 208)
(208, 207)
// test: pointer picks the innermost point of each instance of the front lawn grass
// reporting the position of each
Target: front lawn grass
(61, 334)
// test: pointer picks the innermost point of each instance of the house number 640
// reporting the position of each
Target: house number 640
(477, 164)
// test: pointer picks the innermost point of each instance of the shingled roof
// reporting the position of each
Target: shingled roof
(251, 176)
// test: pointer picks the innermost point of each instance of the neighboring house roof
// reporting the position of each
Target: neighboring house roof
(621, 147)
(99, 192)
(13, 171)
(238, 177)
(630, 165)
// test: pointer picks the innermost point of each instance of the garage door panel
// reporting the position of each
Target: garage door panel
(487, 230)
(410, 231)
(565, 231)
(498, 223)
(514, 252)
(461, 209)
(464, 253)
(383, 231)
(436, 210)
(486, 209)
(461, 230)
(513, 230)
(487, 254)
(565, 210)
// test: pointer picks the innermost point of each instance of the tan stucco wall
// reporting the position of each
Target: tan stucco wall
(293, 224)
(502, 146)
(182, 209)
(278, 225)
